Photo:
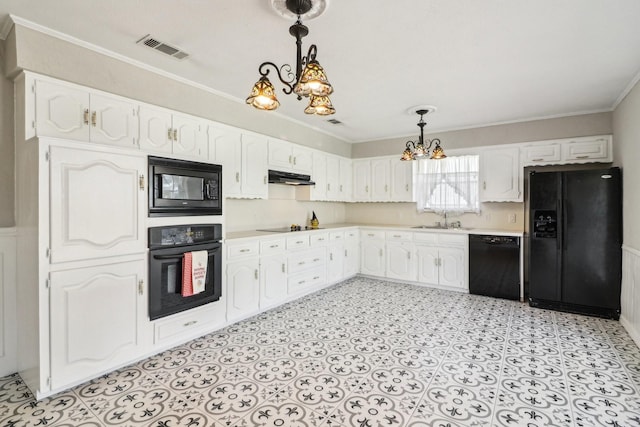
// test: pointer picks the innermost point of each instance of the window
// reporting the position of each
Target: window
(447, 185)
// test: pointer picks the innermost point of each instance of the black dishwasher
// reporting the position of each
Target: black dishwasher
(494, 266)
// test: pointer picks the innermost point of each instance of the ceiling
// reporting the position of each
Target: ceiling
(479, 62)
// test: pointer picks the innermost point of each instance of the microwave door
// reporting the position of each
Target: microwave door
(180, 187)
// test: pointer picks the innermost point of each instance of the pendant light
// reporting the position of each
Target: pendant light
(418, 150)
(310, 82)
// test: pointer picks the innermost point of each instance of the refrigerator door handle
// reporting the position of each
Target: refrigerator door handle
(559, 226)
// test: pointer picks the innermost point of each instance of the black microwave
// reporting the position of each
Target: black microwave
(181, 187)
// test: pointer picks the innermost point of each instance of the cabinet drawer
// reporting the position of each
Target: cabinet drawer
(426, 237)
(399, 235)
(453, 239)
(298, 242)
(372, 235)
(306, 280)
(319, 239)
(272, 246)
(336, 236)
(171, 328)
(240, 250)
(305, 260)
(351, 235)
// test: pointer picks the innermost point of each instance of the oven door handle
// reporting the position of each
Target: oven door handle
(177, 256)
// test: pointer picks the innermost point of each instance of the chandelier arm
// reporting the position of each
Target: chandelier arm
(284, 70)
(311, 54)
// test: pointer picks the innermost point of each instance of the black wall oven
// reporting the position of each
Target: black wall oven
(167, 247)
(180, 187)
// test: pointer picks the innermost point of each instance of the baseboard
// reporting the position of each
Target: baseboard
(631, 329)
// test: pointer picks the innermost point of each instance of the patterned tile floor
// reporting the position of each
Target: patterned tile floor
(368, 353)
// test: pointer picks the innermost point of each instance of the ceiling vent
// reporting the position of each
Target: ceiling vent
(334, 121)
(167, 49)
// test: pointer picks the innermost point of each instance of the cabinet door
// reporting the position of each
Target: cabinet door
(346, 180)
(273, 280)
(280, 157)
(155, 130)
(302, 159)
(225, 147)
(113, 121)
(452, 267)
(61, 111)
(400, 261)
(587, 150)
(380, 180)
(319, 176)
(351, 258)
(243, 289)
(501, 175)
(254, 167)
(333, 178)
(97, 204)
(401, 181)
(96, 317)
(541, 154)
(428, 264)
(361, 180)
(189, 136)
(335, 263)
(372, 261)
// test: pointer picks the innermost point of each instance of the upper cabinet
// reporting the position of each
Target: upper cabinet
(384, 179)
(332, 175)
(500, 175)
(285, 156)
(590, 149)
(244, 162)
(66, 111)
(165, 132)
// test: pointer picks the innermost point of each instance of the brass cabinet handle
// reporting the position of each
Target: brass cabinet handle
(537, 160)
(175, 134)
(94, 118)
(330, 257)
(582, 157)
(283, 268)
(141, 182)
(237, 176)
(255, 274)
(191, 323)
(245, 250)
(169, 134)
(141, 287)
(406, 187)
(86, 116)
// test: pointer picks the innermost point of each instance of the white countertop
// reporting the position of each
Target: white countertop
(330, 227)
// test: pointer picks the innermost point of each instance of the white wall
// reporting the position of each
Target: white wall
(6, 147)
(626, 133)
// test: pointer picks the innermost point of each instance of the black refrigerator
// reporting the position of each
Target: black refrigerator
(575, 245)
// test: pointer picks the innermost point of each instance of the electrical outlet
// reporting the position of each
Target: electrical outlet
(512, 218)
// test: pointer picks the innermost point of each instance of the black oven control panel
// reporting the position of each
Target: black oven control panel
(182, 235)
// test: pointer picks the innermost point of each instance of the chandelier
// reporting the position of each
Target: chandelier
(418, 150)
(310, 82)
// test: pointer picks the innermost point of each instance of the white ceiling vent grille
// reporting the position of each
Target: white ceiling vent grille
(334, 122)
(162, 47)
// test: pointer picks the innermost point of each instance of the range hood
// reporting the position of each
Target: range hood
(289, 178)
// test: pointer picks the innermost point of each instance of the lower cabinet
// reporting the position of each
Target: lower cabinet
(307, 270)
(243, 288)
(97, 314)
(335, 262)
(400, 261)
(372, 253)
(441, 266)
(273, 280)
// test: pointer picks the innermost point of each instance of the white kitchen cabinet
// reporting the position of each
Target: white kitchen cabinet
(163, 131)
(587, 149)
(97, 203)
(96, 319)
(72, 112)
(401, 261)
(273, 280)
(333, 178)
(307, 270)
(243, 288)
(351, 252)
(346, 180)
(442, 260)
(285, 156)
(401, 181)
(500, 175)
(319, 176)
(335, 262)
(361, 180)
(244, 162)
(591, 149)
(372, 253)
(380, 180)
